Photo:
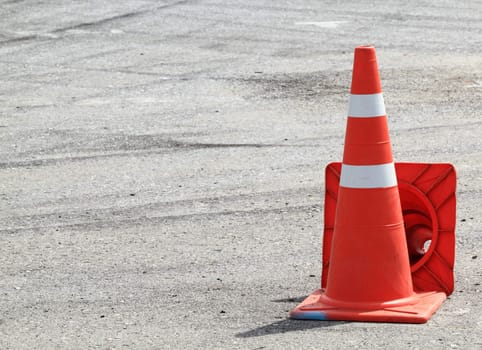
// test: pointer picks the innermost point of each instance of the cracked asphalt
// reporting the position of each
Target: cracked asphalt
(162, 166)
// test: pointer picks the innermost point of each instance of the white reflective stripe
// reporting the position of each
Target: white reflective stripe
(368, 176)
(366, 106)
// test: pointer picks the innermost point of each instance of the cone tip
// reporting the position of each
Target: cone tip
(365, 79)
(365, 47)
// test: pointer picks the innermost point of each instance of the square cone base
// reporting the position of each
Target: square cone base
(422, 307)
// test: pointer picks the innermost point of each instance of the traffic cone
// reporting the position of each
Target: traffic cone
(369, 278)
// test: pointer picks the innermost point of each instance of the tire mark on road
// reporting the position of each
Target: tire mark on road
(90, 24)
(118, 17)
(156, 220)
(139, 149)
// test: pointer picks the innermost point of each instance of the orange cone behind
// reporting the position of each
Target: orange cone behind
(369, 277)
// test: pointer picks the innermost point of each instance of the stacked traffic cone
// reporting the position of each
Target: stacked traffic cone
(369, 277)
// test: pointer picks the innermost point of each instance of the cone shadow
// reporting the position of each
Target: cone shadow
(290, 300)
(285, 326)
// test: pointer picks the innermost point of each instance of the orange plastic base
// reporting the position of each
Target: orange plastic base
(428, 203)
(416, 309)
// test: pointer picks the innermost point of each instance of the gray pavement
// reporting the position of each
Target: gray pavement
(161, 166)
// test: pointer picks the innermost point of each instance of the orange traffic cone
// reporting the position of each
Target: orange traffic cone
(369, 278)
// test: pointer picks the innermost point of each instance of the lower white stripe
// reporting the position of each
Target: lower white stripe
(366, 106)
(368, 176)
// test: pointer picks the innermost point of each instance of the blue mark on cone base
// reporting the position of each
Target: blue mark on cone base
(309, 315)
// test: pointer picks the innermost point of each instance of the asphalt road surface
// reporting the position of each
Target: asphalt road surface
(161, 166)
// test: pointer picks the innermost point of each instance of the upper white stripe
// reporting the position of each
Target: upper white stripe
(366, 106)
(368, 176)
